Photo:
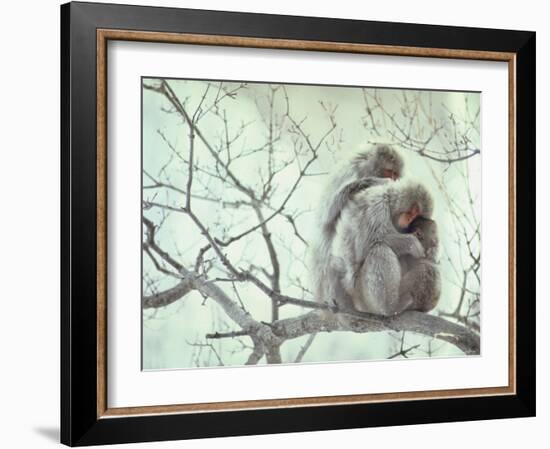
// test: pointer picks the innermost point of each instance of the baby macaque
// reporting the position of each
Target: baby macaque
(420, 286)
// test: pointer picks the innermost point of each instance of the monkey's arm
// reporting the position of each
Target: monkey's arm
(364, 183)
(344, 195)
(404, 244)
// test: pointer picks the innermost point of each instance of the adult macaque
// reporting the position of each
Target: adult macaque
(369, 241)
(376, 166)
(420, 286)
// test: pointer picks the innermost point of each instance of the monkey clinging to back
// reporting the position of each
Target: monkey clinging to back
(378, 165)
(420, 286)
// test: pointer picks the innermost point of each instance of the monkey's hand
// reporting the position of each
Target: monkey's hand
(431, 254)
(416, 250)
(364, 183)
(405, 244)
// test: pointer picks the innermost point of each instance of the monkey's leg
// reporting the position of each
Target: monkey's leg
(420, 288)
(330, 289)
(345, 302)
(342, 297)
(431, 281)
(380, 279)
(409, 289)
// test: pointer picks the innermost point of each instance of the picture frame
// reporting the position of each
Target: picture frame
(86, 30)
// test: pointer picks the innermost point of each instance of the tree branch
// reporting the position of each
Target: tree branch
(167, 297)
(421, 323)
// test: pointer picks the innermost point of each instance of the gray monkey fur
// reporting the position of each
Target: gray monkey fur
(370, 246)
(363, 171)
(420, 286)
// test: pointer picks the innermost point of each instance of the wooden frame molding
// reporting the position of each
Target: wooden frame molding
(106, 35)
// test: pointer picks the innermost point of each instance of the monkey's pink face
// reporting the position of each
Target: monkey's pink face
(390, 173)
(407, 217)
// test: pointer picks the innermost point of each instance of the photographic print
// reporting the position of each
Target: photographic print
(289, 223)
(311, 214)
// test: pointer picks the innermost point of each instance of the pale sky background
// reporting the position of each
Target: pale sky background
(167, 332)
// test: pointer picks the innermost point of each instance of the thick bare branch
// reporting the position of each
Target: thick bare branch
(233, 334)
(167, 297)
(420, 323)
